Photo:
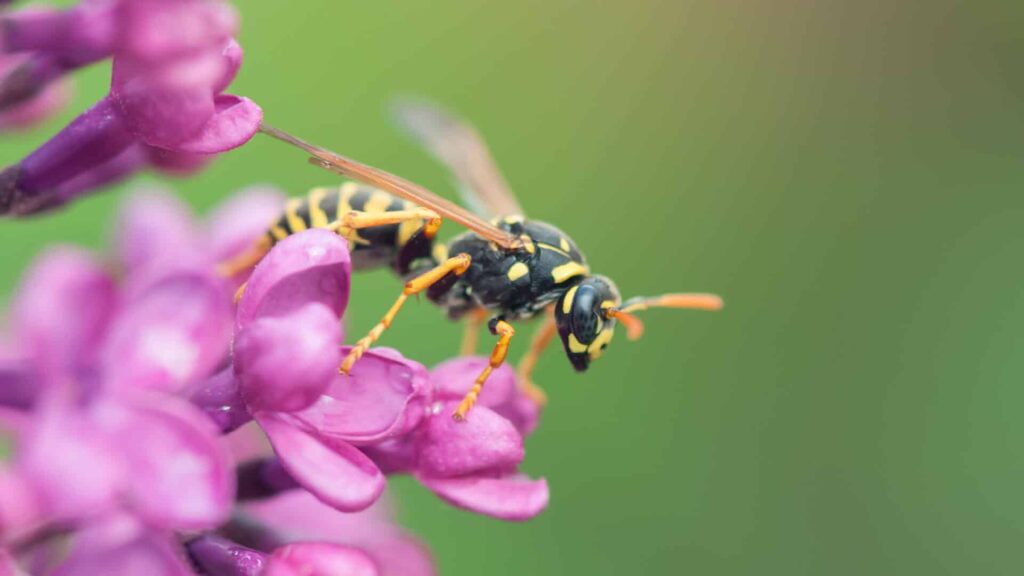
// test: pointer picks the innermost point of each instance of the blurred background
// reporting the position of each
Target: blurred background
(847, 174)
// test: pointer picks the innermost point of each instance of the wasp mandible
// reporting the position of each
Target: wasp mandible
(508, 269)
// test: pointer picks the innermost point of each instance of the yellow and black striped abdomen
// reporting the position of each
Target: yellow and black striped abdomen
(322, 207)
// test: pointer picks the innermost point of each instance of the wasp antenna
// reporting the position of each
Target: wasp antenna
(685, 301)
(634, 326)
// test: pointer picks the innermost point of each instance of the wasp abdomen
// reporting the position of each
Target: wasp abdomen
(323, 207)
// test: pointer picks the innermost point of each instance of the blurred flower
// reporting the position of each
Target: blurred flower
(157, 458)
(39, 105)
(297, 516)
(166, 108)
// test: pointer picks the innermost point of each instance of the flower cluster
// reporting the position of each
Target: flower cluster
(156, 427)
(167, 108)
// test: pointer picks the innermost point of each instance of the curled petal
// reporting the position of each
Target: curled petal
(284, 363)
(384, 396)
(508, 498)
(234, 122)
(173, 333)
(64, 306)
(319, 559)
(154, 229)
(233, 55)
(485, 441)
(181, 475)
(335, 472)
(237, 223)
(312, 266)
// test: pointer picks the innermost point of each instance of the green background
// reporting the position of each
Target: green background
(846, 174)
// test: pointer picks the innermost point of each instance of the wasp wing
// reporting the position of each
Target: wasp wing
(399, 187)
(457, 145)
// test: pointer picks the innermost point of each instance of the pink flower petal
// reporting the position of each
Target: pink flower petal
(319, 559)
(175, 162)
(233, 56)
(240, 221)
(63, 443)
(155, 113)
(508, 498)
(20, 512)
(63, 308)
(234, 122)
(335, 472)
(484, 441)
(122, 549)
(156, 30)
(385, 396)
(453, 379)
(297, 516)
(173, 333)
(181, 476)
(155, 229)
(284, 363)
(312, 266)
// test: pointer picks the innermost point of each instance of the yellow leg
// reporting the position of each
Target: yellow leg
(356, 219)
(543, 337)
(472, 334)
(245, 260)
(456, 264)
(505, 331)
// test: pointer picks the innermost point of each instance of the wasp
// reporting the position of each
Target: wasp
(508, 269)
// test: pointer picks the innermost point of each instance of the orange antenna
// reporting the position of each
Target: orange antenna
(635, 327)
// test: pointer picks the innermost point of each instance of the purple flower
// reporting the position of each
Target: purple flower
(285, 374)
(155, 457)
(71, 322)
(472, 464)
(220, 557)
(296, 516)
(33, 108)
(166, 107)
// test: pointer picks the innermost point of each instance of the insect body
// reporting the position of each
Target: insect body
(509, 269)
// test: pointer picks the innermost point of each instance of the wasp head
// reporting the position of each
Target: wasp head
(583, 321)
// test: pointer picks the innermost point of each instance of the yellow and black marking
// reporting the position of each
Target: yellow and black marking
(327, 207)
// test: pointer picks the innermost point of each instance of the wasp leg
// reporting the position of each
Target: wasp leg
(456, 265)
(472, 333)
(245, 260)
(505, 332)
(541, 339)
(356, 219)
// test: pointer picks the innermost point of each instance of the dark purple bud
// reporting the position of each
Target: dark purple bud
(218, 556)
(91, 141)
(264, 478)
(220, 399)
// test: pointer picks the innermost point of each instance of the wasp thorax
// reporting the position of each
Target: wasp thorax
(583, 322)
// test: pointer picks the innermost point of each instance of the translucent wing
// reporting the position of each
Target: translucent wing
(459, 147)
(399, 187)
